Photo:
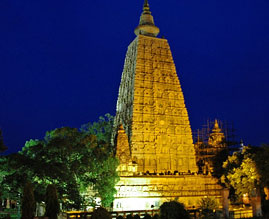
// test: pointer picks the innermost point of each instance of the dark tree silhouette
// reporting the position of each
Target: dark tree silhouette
(173, 210)
(28, 202)
(147, 216)
(2, 145)
(101, 213)
(52, 202)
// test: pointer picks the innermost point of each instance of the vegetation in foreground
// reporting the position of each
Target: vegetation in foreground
(77, 162)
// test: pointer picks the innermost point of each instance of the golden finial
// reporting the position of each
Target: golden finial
(146, 25)
(216, 126)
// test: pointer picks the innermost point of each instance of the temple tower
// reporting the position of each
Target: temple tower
(152, 131)
(151, 107)
(216, 137)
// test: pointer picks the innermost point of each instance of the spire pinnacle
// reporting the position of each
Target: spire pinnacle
(216, 127)
(146, 25)
(146, 5)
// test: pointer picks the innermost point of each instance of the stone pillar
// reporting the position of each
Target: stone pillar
(256, 203)
(225, 202)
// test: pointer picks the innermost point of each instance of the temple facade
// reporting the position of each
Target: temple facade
(152, 132)
(151, 105)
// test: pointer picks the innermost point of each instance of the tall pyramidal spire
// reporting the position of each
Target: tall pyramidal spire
(146, 25)
(152, 134)
(151, 105)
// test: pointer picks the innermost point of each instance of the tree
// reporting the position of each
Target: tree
(52, 202)
(208, 205)
(2, 145)
(76, 162)
(173, 210)
(262, 164)
(101, 129)
(28, 202)
(218, 159)
(241, 173)
(14, 175)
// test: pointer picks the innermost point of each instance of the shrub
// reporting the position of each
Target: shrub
(28, 202)
(208, 205)
(52, 202)
(147, 216)
(156, 216)
(101, 213)
(136, 216)
(129, 216)
(120, 217)
(173, 210)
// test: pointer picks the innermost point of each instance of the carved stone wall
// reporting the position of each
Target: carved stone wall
(152, 110)
(124, 108)
(154, 190)
(126, 166)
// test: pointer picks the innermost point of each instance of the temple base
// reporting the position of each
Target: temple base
(149, 192)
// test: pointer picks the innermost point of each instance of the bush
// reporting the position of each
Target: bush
(156, 216)
(136, 216)
(129, 216)
(120, 217)
(173, 210)
(101, 213)
(147, 216)
(52, 202)
(28, 202)
(208, 205)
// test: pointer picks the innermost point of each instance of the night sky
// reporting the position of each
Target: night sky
(61, 62)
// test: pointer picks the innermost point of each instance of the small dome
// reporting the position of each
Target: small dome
(146, 25)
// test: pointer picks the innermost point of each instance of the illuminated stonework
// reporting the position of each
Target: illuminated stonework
(152, 110)
(207, 150)
(216, 137)
(126, 167)
(152, 133)
(143, 192)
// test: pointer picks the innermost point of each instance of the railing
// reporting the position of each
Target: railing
(114, 214)
(241, 213)
(194, 213)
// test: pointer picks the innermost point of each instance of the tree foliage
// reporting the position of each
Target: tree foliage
(218, 159)
(262, 163)
(208, 205)
(241, 173)
(77, 162)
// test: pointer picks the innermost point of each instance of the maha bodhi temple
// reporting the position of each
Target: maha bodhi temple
(152, 132)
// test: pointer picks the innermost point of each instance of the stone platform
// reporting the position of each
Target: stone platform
(150, 191)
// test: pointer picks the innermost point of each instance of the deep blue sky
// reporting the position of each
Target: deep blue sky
(61, 61)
